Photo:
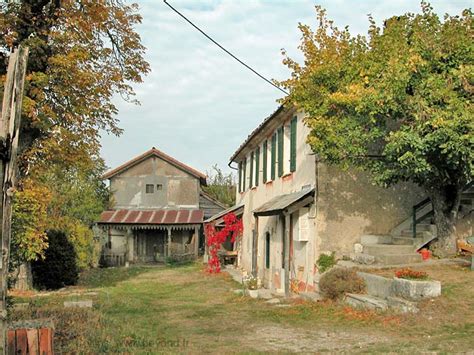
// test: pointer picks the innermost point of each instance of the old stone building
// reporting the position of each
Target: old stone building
(159, 207)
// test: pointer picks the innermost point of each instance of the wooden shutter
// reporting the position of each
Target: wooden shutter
(280, 151)
(240, 176)
(264, 161)
(257, 165)
(251, 170)
(293, 145)
(273, 157)
(245, 174)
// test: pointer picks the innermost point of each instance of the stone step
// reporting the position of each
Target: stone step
(406, 240)
(422, 227)
(467, 194)
(419, 234)
(370, 239)
(396, 259)
(383, 249)
(366, 302)
(466, 202)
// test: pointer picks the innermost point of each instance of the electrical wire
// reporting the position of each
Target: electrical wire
(225, 50)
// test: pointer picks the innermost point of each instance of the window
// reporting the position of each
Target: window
(267, 250)
(251, 170)
(244, 177)
(273, 157)
(293, 144)
(280, 133)
(159, 187)
(257, 165)
(149, 188)
(240, 176)
(264, 161)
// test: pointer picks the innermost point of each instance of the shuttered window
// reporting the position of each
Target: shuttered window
(280, 151)
(293, 144)
(257, 165)
(267, 250)
(273, 157)
(251, 170)
(244, 168)
(264, 161)
(240, 177)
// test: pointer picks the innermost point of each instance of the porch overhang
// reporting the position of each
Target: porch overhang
(285, 204)
(163, 219)
(218, 218)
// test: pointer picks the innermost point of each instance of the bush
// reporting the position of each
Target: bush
(339, 281)
(58, 268)
(325, 262)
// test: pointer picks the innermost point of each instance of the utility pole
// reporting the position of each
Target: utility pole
(9, 137)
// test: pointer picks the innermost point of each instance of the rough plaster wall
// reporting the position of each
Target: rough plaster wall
(465, 226)
(350, 206)
(178, 187)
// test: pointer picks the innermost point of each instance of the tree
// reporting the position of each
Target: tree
(221, 186)
(82, 54)
(397, 103)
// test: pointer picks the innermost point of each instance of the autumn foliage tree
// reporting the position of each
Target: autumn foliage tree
(83, 54)
(396, 103)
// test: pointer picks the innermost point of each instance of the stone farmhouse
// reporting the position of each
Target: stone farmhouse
(159, 208)
(295, 207)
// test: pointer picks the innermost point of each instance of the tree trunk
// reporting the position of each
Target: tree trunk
(445, 202)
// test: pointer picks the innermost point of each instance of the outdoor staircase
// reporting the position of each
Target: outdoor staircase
(401, 246)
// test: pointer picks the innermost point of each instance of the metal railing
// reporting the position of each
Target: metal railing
(416, 208)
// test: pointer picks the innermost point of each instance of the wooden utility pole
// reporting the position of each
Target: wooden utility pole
(9, 137)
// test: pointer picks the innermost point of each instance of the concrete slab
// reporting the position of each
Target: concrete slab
(377, 286)
(265, 293)
(273, 301)
(370, 239)
(415, 290)
(401, 305)
(366, 302)
(78, 304)
(311, 296)
(362, 258)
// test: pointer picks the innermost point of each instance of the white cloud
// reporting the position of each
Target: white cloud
(198, 104)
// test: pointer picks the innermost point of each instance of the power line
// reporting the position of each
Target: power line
(225, 50)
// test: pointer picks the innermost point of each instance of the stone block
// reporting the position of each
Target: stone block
(377, 286)
(78, 304)
(415, 290)
(362, 258)
(375, 239)
(358, 248)
(401, 305)
(366, 302)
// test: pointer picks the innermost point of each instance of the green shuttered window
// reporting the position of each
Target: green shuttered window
(293, 144)
(280, 151)
(251, 170)
(257, 165)
(240, 177)
(245, 174)
(264, 161)
(273, 157)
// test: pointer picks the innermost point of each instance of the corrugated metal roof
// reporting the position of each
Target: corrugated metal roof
(280, 203)
(164, 216)
(235, 209)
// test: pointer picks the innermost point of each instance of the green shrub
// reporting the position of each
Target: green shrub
(325, 262)
(337, 282)
(59, 268)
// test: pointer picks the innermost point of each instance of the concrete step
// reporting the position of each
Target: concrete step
(395, 259)
(422, 227)
(366, 302)
(370, 239)
(467, 194)
(419, 234)
(467, 202)
(406, 240)
(383, 249)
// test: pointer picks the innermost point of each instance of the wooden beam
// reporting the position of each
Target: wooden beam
(9, 138)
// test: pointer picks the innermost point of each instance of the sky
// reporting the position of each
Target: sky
(197, 103)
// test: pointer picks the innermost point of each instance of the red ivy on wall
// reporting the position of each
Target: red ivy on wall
(233, 228)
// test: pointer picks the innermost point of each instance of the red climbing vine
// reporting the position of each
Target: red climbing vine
(233, 228)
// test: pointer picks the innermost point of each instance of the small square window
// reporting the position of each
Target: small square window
(159, 187)
(149, 188)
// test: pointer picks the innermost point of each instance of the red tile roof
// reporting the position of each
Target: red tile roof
(152, 217)
(158, 153)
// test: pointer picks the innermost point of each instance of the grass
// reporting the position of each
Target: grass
(184, 309)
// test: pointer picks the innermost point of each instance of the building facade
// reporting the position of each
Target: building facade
(296, 207)
(159, 207)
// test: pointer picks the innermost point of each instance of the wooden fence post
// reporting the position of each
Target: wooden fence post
(9, 136)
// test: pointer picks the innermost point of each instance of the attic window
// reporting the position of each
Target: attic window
(159, 187)
(149, 188)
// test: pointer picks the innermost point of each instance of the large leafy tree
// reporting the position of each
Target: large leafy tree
(397, 103)
(83, 53)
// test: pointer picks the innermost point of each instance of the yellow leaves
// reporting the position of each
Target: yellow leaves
(415, 61)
